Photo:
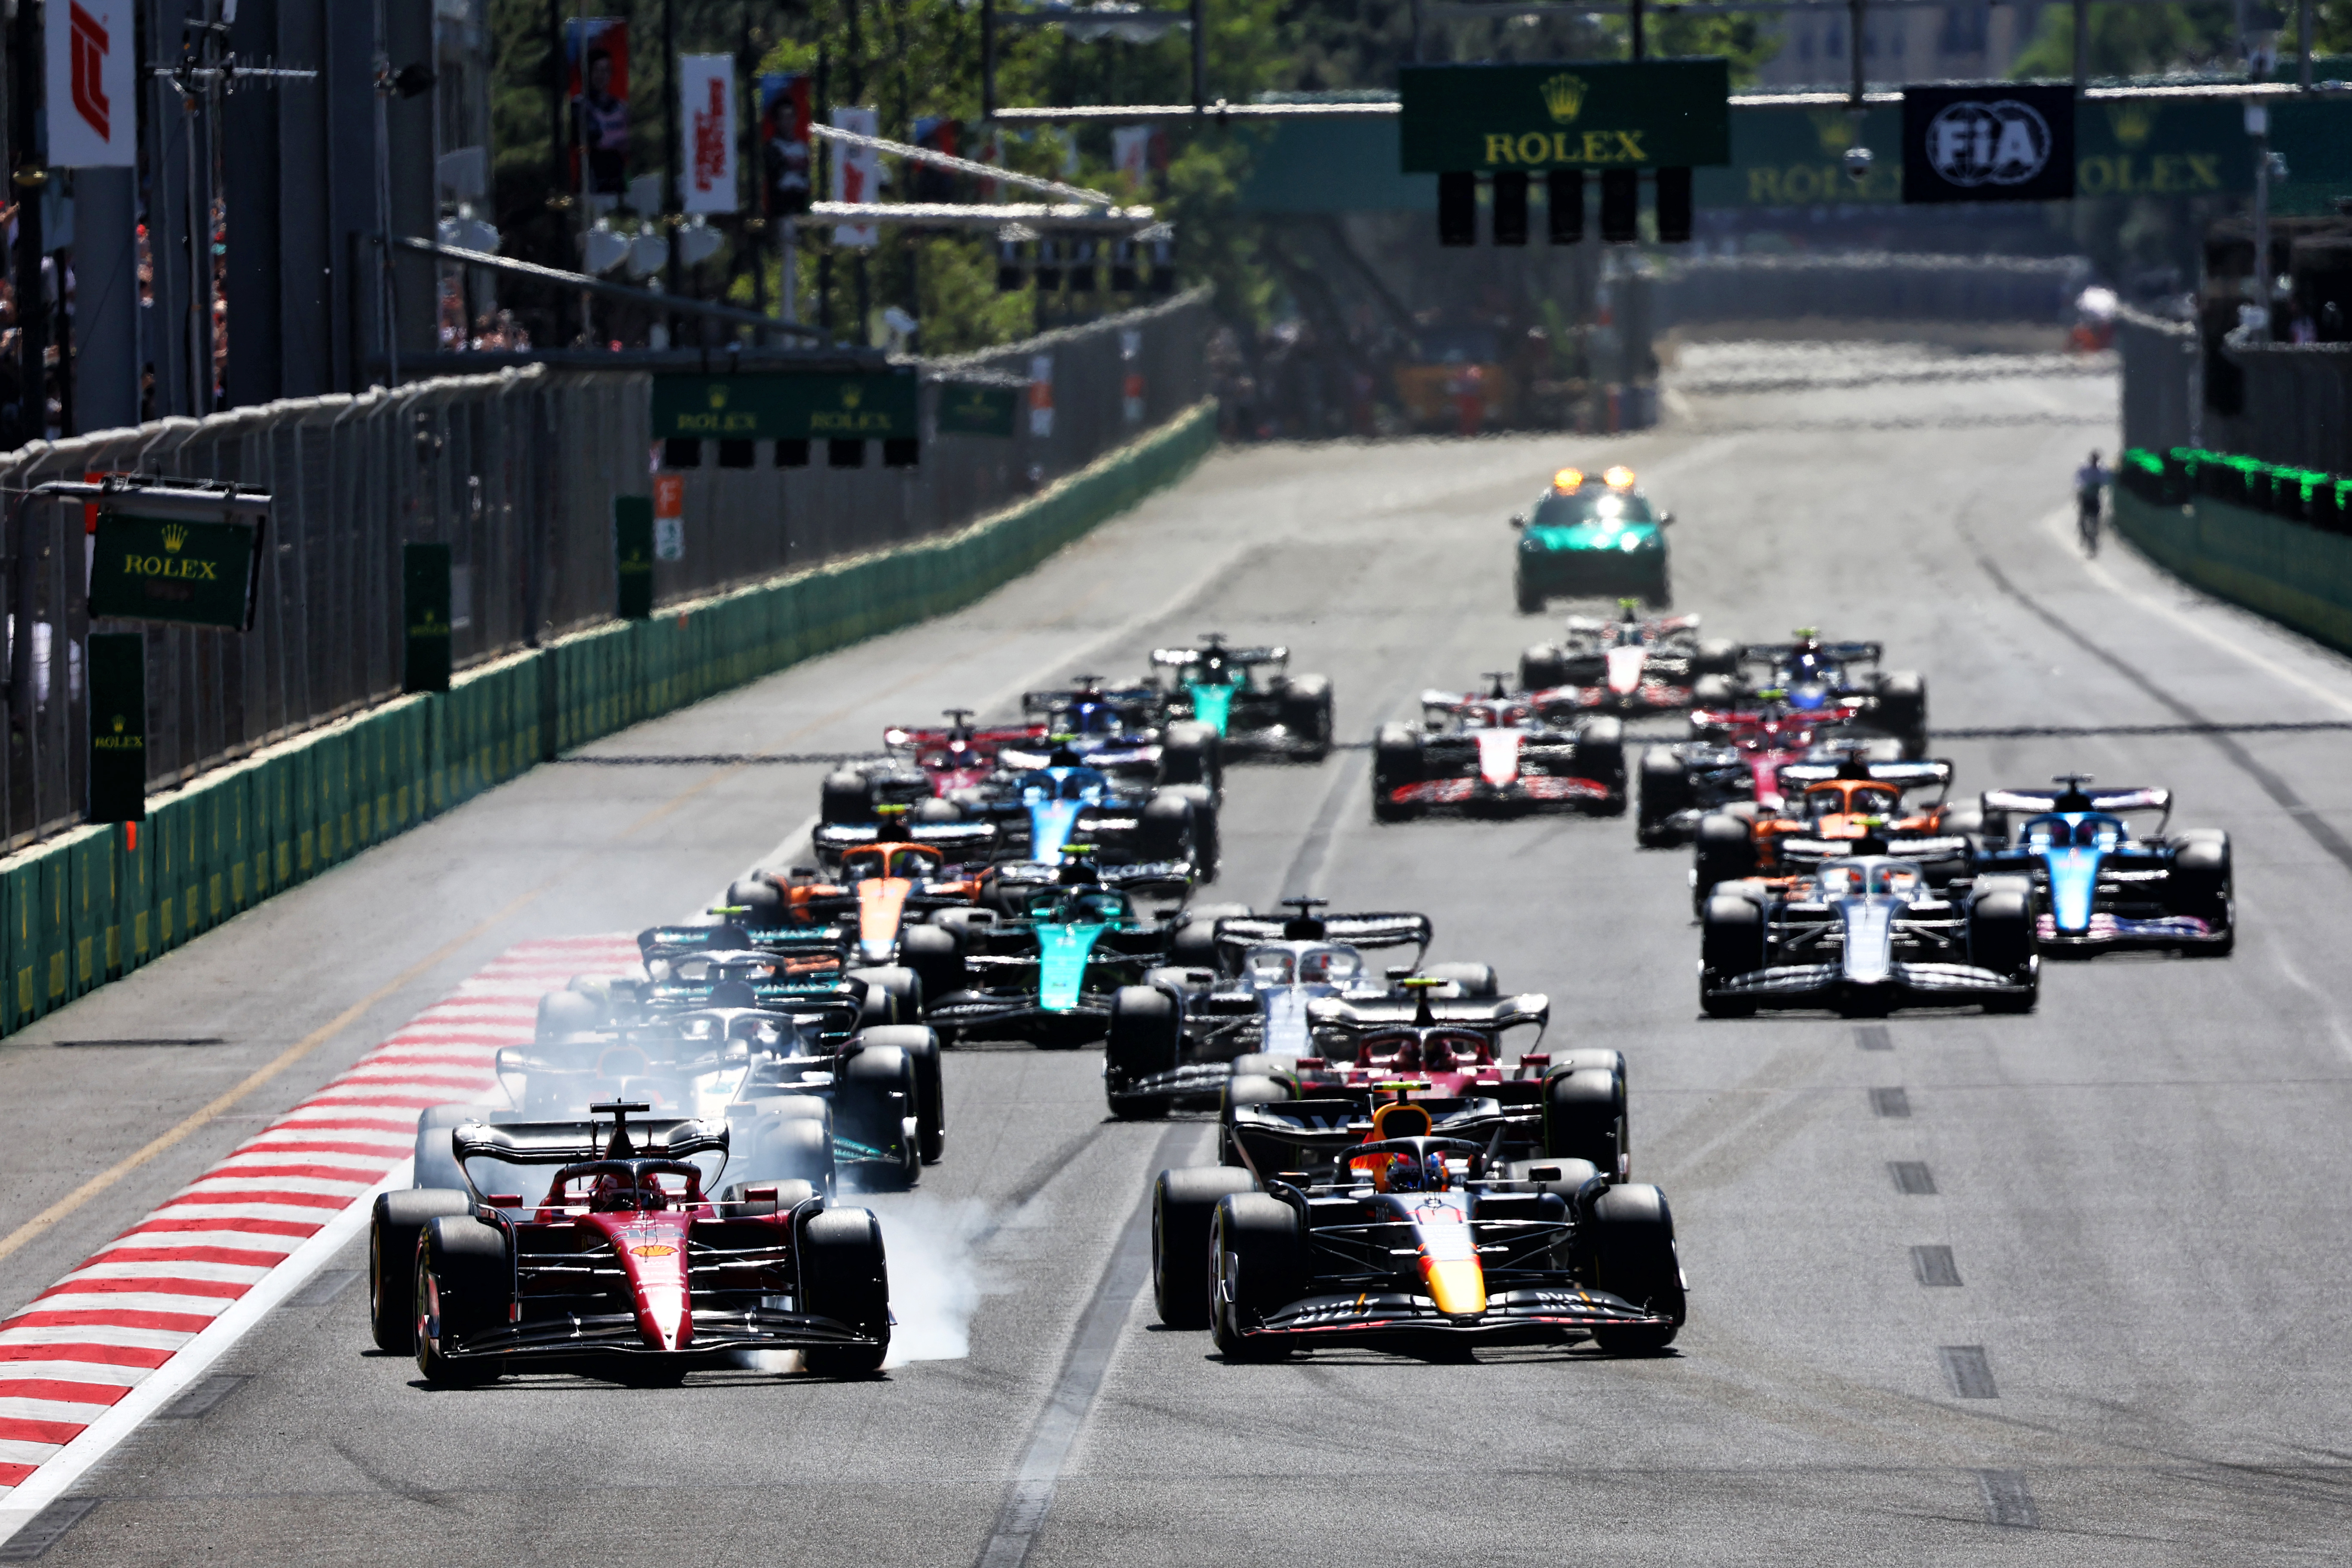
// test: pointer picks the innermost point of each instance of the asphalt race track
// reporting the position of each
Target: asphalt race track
(2132, 1352)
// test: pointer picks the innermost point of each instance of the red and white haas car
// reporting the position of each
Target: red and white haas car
(624, 1265)
(923, 765)
(1632, 665)
(1497, 754)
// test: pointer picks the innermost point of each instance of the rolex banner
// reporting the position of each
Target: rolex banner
(1995, 143)
(117, 727)
(189, 574)
(1576, 114)
(772, 405)
(424, 617)
(974, 410)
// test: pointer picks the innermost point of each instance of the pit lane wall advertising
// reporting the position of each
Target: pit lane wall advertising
(2277, 540)
(96, 903)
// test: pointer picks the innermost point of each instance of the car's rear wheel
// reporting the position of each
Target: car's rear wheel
(1145, 1039)
(1541, 668)
(1664, 790)
(1306, 713)
(845, 797)
(1584, 1118)
(1725, 852)
(2200, 885)
(1243, 1089)
(393, 1229)
(1396, 762)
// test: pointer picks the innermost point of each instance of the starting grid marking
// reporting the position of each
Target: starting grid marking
(79, 1348)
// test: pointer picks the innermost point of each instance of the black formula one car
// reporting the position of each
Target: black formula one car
(1631, 666)
(2099, 885)
(1813, 676)
(1864, 935)
(1248, 696)
(1400, 1224)
(1497, 754)
(612, 1255)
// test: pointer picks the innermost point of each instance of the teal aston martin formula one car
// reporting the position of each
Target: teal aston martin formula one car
(1592, 537)
(1250, 698)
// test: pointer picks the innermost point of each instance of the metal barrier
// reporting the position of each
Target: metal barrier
(517, 471)
(1872, 286)
(2160, 379)
(2289, 404)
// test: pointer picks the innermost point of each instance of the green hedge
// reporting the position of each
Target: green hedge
(96, 903)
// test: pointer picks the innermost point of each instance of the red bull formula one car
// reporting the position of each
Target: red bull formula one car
(1404, 1224)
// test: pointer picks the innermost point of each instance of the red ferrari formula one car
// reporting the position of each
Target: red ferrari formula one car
(623, 1263)
(1498, 754)
(925, 764)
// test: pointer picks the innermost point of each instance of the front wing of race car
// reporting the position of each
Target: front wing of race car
(1543, 1315)
(1196, 1081)
(1908, 984)
(1529, 790)
(2119, 932)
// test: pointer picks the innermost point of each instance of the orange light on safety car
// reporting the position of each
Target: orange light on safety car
(1620, 477)
(1568, 481)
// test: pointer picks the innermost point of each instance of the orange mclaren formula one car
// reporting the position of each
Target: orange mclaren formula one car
(1400, 1223)
(1829, 807)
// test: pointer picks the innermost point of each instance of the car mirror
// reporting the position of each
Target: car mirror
(1665, 518)
(1518, 519)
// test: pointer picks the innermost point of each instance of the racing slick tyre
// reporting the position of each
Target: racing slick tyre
(936, 810)
(1189, 755)
(1169, 830)
(1601, 757)
(1730, 942)
(1145, 1038)
(873, 1099)
(563, 1014)
(1541, 668)
(463, 1282)
(2001, 939)
(400, 1217)
(1529, 599)
(845, 797)
(894, 995)
(790, 1147)
(1476, 982)
(1194, 945)
(2200, 885)
(1726, 853)
(1665, 789)
(1184, 1205)
(1396, 762)
(1715, 656)
(1584, 1118)
(1254, 1261)
(1903, 710)
(1713, 691)
(934, 954)
(756, 901)
(1306, 714)
(436, 1162)
(1631, 1244)
(846, 1276)
(1243, 1089)
(922, 1046)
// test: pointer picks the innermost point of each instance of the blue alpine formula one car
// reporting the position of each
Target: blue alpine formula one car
(2097, 884)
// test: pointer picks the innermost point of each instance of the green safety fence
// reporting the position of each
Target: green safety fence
(100, 901)
(2277, 540)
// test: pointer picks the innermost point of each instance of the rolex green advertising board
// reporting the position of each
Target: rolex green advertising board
(118, 726)
(770, 406)
(971, 410)
(1575, 114)
(190, 574)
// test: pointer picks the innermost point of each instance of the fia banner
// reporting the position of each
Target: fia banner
(856, 175)
(1998, 143)
(93, 84)
(705, 86)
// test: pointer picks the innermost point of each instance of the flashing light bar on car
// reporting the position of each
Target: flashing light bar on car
(1568, 481)
(1620, 477)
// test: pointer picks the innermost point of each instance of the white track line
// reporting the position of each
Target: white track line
(125, 1331)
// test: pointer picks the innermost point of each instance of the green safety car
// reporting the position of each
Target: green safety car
(1591, 536)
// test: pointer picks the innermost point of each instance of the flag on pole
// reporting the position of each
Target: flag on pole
(705, 86)
(857, 176)
(92, 87)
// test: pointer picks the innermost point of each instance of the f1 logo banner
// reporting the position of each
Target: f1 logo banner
(1998, 143)
(92, 84)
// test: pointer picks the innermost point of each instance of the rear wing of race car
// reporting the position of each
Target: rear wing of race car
(1774, 653)
(673, 942)
(1144, 876)
(898, 739)
(1133, 701)
(1532, 1008)
(574, 1142)
(1324, 1127)
(2000, 804)
(957, 840)
(1907, 776)
(1372, 930)
(1178, 657)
